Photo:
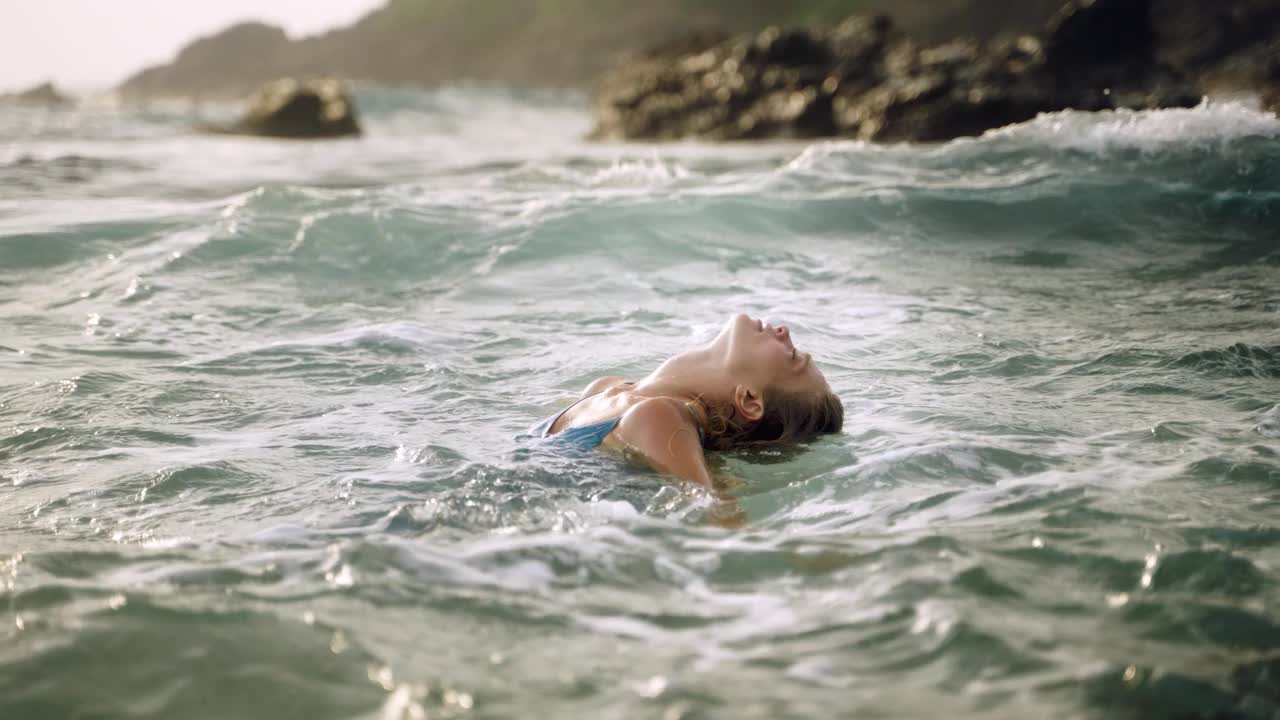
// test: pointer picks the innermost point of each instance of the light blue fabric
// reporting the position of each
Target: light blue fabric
(586, 437)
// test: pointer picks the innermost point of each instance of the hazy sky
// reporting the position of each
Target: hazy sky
(88, 44)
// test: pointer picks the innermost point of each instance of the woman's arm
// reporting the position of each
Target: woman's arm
(666, 438)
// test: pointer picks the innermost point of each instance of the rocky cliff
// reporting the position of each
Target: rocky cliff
(557, 43)
(868, 79)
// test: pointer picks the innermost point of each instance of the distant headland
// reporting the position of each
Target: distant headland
(922, 70)
(540, 43)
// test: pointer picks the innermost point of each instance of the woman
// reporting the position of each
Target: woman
(750, 386)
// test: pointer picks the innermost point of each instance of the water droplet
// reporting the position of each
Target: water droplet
(676, 712)
(653, 687)
(401, 705)
(339, 644)
(1149, 570)
(1116, 600)
(342, 578)
(458, 699)
(382, 676)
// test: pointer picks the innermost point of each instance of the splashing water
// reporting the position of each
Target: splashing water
(258, 402)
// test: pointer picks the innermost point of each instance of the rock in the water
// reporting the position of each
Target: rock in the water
(952, 90)
(866, 80)
(308, 109)
(1086, 33)
(1102, 55)
(43, 94)
(1229, 41)
(862, 80)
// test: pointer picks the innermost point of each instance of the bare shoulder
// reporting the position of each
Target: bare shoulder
(659, 430)
(655, 413)
(601, 384)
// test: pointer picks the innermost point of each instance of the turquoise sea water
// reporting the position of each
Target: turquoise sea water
(258, 403)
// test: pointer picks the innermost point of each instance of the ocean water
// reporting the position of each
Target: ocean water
(259, 401)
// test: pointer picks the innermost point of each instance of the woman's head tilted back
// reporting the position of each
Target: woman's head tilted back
(760, 389)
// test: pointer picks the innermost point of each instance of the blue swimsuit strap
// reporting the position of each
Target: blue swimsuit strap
(587, 436)
(595, 433)
(546, 431)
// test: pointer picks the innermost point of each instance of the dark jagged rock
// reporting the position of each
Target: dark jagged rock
(1102, 55)
(726, 91)
(1271, 78)
(1227, 41)
(1086, 33)
(43, 94)
(957, 89)
(302, 110)
(866, 80)
(789, 48)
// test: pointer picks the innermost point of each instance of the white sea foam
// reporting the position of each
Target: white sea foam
(1209, 124)
(331, 434)
(651, 171)
(1212, 124)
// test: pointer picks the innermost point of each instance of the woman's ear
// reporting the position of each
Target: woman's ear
(748, 403)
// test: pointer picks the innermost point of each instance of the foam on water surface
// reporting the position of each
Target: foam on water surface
(259, 404)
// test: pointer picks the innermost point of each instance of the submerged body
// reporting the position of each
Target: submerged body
(749, 386)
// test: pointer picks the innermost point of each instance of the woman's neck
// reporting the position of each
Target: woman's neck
(689, 376)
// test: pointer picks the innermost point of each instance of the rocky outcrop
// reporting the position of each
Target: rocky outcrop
(1102, 54)
(304, 110)
(566, 43)
(867, 80)
(1228, 44)
(44, 94)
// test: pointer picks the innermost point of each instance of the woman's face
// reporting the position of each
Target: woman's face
(760, 355)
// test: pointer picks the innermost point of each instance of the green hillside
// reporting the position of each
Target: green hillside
(560, 43)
